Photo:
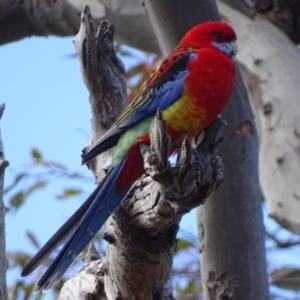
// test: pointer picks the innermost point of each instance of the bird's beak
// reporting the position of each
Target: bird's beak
(233, 45)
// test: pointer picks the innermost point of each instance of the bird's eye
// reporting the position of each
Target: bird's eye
(218, 35)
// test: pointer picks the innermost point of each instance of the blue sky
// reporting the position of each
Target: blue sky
(47, 107)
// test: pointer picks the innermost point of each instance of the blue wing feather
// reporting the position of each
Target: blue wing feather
(104, 204)
(160, 100)
(163, 92)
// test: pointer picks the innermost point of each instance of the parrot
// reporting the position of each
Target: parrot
(190, 88)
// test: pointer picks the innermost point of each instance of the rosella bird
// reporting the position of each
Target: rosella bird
(190, 87)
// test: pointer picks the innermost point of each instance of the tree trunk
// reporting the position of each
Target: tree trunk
(231, 232)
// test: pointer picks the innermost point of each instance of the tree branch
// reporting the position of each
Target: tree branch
(19, 19)
(104, 76)
(3, 261)
(22, 19)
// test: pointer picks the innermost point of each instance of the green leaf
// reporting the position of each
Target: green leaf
(37, 185)
(69, 192)
(50, 164)
(29, 290)
(124, 52)
(17, 259)
(36, 153)
(21, 290)
(286, 278)
(16, 180)
(18, 199)
(57, 165)
(189, 289)
(33, 239)
(135, 70)
(183, 244)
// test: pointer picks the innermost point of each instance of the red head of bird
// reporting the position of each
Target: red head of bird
(218, 35)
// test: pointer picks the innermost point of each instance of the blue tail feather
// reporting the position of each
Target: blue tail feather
(105, 202)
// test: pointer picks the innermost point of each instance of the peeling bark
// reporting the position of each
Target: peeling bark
(221, 287)
(141, 233)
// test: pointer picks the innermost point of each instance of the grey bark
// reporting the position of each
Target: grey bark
(108, 94)
(3, 260)
(141, 233)
(231, 232)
